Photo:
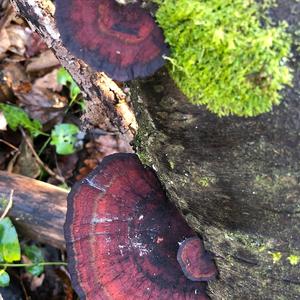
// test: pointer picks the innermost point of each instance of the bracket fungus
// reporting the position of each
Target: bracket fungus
(121, 40)
(123, 236)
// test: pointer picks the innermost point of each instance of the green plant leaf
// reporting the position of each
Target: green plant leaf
(9, 242)
(64, 138)
(74, 90)
(16, 116)
(35, 255)
(4, 279)
(64, 78)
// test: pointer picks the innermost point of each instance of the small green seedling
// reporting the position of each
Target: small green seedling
(64, 138)
(65, 79)
(36, 256)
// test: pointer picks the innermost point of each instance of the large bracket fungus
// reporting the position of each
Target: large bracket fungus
(125, 240)
(121, 40)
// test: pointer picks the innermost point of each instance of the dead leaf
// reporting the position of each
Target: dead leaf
(39, 99)
(37, 281)
(42, 102)
(49, 81)
(15, 77)
(66, 164)
(18, 36)
(26, 163)
(4, 41)
(35, 45)
(45, 60)
(99, 148)
(69, 292)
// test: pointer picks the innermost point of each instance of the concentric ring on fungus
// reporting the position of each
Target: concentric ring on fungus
(123, 237)
(121, 40)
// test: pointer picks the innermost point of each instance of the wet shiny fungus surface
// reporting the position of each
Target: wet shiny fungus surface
(121, 40)
(123, 236)
(195, 262)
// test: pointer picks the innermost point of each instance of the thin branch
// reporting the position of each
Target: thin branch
(8, 206)
(39, 161)
(9, 145)
(54, 263)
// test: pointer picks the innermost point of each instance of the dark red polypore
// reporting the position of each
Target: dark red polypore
(195, 262)
(121, 40)
(123, 235)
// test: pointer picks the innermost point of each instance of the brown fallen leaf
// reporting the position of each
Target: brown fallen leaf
(35, 45)
(42, 102)
(18, 36)
(15, 78)
(26, 163)
(45, 60)
(40, 99)
(100, 147)
(4, 42)
(49, 81)
(66, 164)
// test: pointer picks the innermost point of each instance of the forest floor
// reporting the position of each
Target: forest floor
(41, 138)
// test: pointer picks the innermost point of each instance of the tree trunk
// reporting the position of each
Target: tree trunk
(236, 180)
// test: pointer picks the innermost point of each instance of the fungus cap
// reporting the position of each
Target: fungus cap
(123, 235)
(121, 40)
(195, 262)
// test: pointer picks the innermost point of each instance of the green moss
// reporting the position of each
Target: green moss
(275, 183)
(222, 57)
(293, 259)
(276, 257)
(205, 181)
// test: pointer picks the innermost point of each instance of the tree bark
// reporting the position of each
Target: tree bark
(38, 209)
(236, 180)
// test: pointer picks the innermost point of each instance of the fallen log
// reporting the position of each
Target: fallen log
(38, 209)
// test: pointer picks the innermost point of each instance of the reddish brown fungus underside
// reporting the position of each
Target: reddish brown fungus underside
(195, 262)
(123, 236)
(121, 40)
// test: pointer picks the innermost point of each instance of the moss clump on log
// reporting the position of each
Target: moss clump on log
(223, 57)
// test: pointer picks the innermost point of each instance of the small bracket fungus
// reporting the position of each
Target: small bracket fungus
(123, 236)
(195, 262)
(121, 40)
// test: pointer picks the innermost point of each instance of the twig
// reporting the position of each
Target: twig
(39, 161)
(49, 263)
(8, 206)
(9, 145)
